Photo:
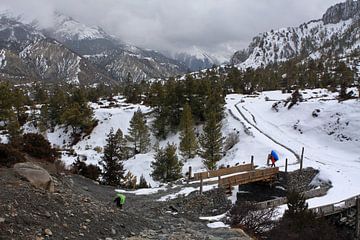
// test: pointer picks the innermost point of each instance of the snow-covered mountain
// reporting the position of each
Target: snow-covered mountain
(28, 55)
(73, 52)
(196, 59)
(111, 54)
(337, 33)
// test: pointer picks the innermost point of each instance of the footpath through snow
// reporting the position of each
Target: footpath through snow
(328, 130)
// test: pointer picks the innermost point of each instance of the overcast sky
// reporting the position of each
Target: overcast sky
(217, 26)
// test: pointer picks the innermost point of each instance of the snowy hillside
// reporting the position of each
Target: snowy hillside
(336, 34)
(327, 129)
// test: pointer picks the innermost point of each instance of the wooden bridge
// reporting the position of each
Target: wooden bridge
(256, 175)
(238, 175)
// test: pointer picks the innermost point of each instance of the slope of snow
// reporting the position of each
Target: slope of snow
(331, 140)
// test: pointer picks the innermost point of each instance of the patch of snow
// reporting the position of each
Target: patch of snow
(186, 191)
(217, 225)
(214, 218)
(142, 191)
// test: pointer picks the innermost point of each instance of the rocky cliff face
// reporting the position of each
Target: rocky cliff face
(342, 12)
(336, 34)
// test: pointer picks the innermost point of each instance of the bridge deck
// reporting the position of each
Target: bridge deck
(266, 174)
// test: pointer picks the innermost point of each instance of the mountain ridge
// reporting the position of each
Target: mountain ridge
(335, 34)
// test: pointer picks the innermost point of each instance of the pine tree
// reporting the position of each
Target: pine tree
(113, 169)
(166, 166)
(188, 143)
(139, 133)
(5, 101)
(123, 148)
(296, 204)
(211, 142)
(14, 131)
(346, 77)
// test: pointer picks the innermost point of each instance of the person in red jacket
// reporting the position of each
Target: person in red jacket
(272, 159)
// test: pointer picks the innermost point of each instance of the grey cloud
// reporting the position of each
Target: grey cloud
(172, 25)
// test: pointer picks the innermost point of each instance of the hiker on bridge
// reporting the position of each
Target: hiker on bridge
(273, 157)
(119, 200)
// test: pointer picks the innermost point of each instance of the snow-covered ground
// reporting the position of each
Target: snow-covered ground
(326, 128)
(331, 139)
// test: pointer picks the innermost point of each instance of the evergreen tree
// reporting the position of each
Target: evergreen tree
(56, 107)
(166, 166)
(121, 140)
(296, 204)
(19, 101)
(188, 143)
(5, 102)
(346, 77)
(14, 131)
(211, 142)
(113, 169)
(139, 133)
(78, 117)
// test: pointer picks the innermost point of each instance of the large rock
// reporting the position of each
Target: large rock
(36, 175)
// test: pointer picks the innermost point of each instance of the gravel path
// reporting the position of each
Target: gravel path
(82, 209)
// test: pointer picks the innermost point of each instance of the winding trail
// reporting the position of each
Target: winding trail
(265, 134)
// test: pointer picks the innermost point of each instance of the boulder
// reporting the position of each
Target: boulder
(36, 175)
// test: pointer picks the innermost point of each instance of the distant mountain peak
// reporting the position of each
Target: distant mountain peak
(66, 28)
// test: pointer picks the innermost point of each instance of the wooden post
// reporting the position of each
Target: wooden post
(267, 163)
(301, 159)
(219, 178)
(357, 230)
(190, 173)
(252, 162)
(286, 165)
(201, 183)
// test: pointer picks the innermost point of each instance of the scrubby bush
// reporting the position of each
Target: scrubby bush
(295, 98)
(37, 146)
(9, 156)
(89, 171)
(250, 218)
(129, 181)
(231, 140)
(143, 183)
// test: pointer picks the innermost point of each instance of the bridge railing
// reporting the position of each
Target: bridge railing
(223, 171)
(330, 209)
